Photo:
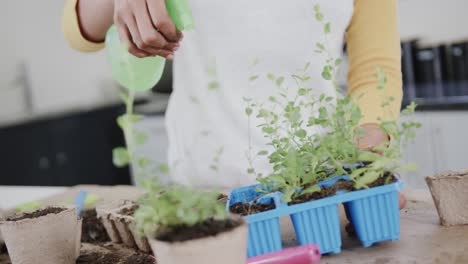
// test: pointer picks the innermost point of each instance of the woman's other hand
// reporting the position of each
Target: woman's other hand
(374, 136)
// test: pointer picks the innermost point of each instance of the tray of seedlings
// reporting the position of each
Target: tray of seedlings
(317, 149)
(315, 172)
(373, 211)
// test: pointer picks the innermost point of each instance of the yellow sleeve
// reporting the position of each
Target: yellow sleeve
(373, 41)
(72, 31)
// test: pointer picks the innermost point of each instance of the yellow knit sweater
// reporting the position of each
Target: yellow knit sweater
(372, 39)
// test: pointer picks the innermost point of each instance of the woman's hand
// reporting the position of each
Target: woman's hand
(146, 28)
(372, 137)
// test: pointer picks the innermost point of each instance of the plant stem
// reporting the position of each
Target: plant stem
(128, 135)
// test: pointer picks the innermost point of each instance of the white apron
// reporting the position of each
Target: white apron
(206, 121)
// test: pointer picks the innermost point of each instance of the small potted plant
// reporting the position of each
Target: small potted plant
(448, 191)
(47, 235)
(117, 218)
(185, 225)
(182, 225)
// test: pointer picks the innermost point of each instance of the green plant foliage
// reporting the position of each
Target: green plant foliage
(163, 207)
(295, 157)
(28, 206)
(301, 157)
(390, 159)
(124, 156)
(91, 200)
(120, 157)
(176, 206)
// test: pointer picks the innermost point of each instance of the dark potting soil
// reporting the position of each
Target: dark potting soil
(140, 258)
(381, 180)
(92, 230)
(341, 185)
(129, 211)
(248, 209)
(324, 192)
(222, 198)
(115, 256)
(98, 258)
(36, 214)
(208, 228)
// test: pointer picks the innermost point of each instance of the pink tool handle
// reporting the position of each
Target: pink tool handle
(308, 254)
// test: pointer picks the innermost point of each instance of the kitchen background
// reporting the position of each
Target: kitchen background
(58, 106)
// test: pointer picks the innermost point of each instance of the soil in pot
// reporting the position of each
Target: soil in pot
(324, 192)
(93, 230)
(222, 198)
(140, 259)
(217, 242)
(99, 258)
(387, 178)
(114, 258)
(248, 209)
(210, 227)
(36, 214)
(55, 231)
(129, 211)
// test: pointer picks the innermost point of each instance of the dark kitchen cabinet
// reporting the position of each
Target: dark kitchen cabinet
(63, 151)
(24, 156)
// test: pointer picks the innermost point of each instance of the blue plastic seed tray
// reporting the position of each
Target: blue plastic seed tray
(374, 213)
(264, 228)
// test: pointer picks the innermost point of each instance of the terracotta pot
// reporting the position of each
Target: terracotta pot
(450, 195)
(52, 238)
(228, 248)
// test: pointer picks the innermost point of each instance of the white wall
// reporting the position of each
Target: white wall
(434, 20)
(59, 77)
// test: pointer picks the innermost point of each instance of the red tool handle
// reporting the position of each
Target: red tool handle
(308, 254)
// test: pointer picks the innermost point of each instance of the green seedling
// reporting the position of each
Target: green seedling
(162, 207)
(90, 201)
(294, 155)
(176, 206)
(28, 206)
